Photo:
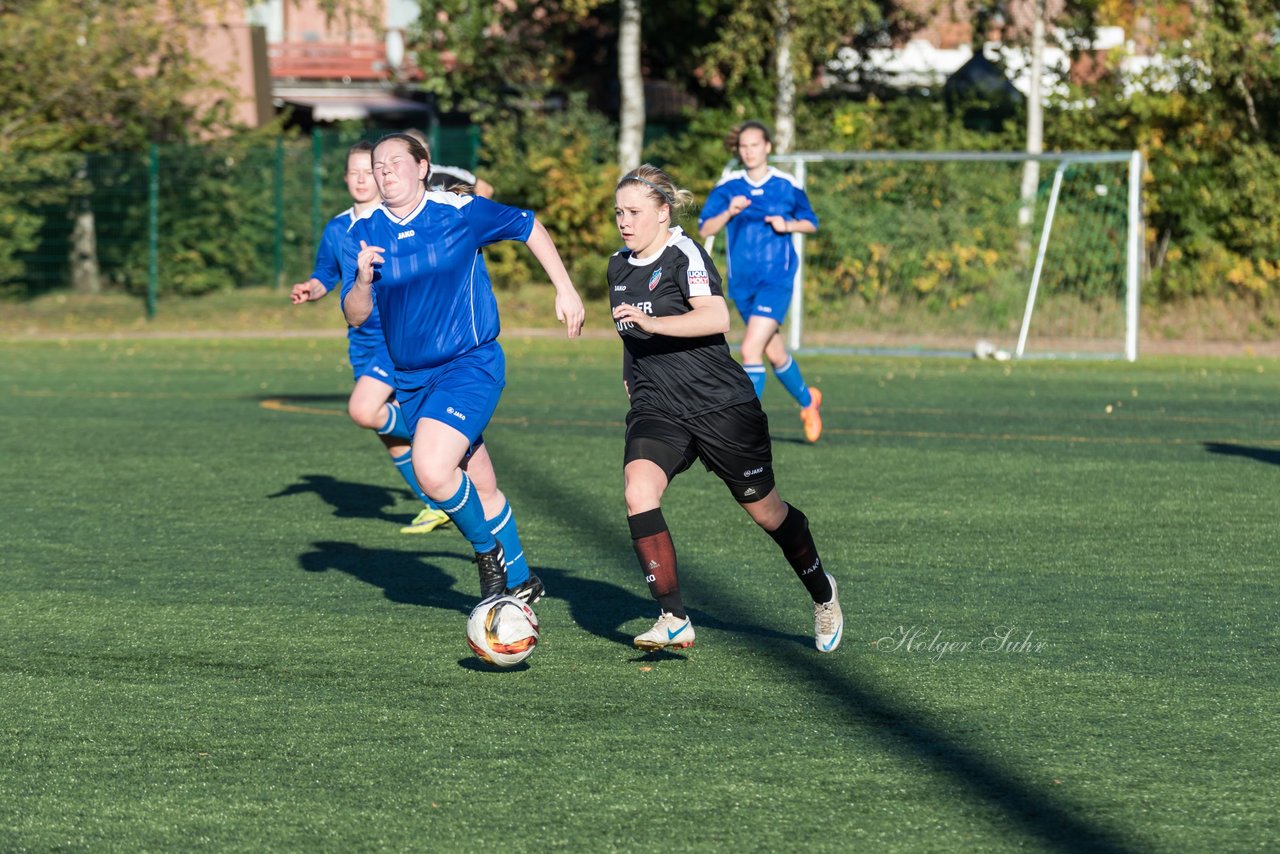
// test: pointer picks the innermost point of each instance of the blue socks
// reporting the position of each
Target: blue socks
(396, 424)
(468, 515)
(404, 465)
(756, 374)
(504, 528)
(789, 376)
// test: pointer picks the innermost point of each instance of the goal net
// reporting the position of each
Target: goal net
(1029, 255)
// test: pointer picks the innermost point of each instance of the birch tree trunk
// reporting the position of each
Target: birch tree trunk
(85, 275)
(784, 122)
(631, 111)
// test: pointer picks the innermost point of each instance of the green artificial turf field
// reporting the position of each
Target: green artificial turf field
(1059, 583)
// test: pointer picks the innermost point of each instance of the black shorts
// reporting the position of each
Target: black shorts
(732, 443)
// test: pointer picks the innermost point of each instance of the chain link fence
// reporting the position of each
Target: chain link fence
(181, 220)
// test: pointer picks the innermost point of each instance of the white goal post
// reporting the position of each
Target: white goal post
(949, 232)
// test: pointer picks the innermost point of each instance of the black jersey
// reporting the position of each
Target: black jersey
(682, 377)
(447, 177)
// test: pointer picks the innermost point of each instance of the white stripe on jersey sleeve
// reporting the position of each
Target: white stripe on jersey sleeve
(728, 175)
(443, 197)
(786, 176)
(455, 172)
(699, 279)
(368, 212)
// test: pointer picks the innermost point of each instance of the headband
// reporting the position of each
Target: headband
(654, 187)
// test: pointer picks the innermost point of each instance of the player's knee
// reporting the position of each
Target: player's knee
(365, 416)
(640, 497)
(434, 476)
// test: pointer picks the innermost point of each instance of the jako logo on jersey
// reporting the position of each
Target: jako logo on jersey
(402, 235)
(753, 471)
(653, 278)
(379, 371)
(619, 287)
(455, 413)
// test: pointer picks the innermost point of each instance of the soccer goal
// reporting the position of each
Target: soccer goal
(1033, 255)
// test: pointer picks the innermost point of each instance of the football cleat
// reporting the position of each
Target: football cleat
(670, 632)
(828, 621)
(493, 572)
(426, 521)
(812, 416)
(528, 591)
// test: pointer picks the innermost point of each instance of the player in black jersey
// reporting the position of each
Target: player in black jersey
(690, 400)
(453, 179)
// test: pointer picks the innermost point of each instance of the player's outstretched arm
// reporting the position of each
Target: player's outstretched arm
(569, 308)
(309, 291)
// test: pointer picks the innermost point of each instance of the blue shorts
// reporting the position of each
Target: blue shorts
(762, 299)
(462, 393)
(369, 357)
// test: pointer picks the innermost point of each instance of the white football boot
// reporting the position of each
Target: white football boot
(670, 632)
(828, 621)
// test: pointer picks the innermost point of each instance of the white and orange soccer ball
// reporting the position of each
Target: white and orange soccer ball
(503, 631)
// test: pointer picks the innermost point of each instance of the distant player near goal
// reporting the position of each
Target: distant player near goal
(690, 400)
(760, 208)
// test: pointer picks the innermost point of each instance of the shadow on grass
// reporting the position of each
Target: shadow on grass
(1262, 455)
(349, 500)
(403, 577)
(1050, 820)
(602, 608)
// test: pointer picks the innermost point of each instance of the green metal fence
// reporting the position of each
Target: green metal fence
(182, 219)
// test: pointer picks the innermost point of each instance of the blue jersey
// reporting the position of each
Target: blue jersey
(432, 289)
(758, 255)
(328, 271)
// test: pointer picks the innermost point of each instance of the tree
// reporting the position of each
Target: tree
(480, 55)
(102, 76)
(631, 85)
(95, 76)
(767, 50)
(1206, 114)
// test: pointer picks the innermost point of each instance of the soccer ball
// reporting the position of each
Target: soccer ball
(502, 631)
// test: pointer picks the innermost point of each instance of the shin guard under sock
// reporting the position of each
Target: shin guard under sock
(657, 554)
(793, 537)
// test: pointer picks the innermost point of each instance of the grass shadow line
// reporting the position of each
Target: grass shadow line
(1047, 818)
(1262, 455)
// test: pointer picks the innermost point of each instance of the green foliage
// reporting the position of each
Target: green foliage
(29, 198)
(103, 76)
(560, 165)
(1207, 118)
(476, 54)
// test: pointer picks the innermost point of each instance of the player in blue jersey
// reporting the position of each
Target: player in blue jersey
(690, 400)
(416, 257)
(760, 207)
(372, 403)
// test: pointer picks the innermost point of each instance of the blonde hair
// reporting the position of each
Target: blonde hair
(660, 187)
